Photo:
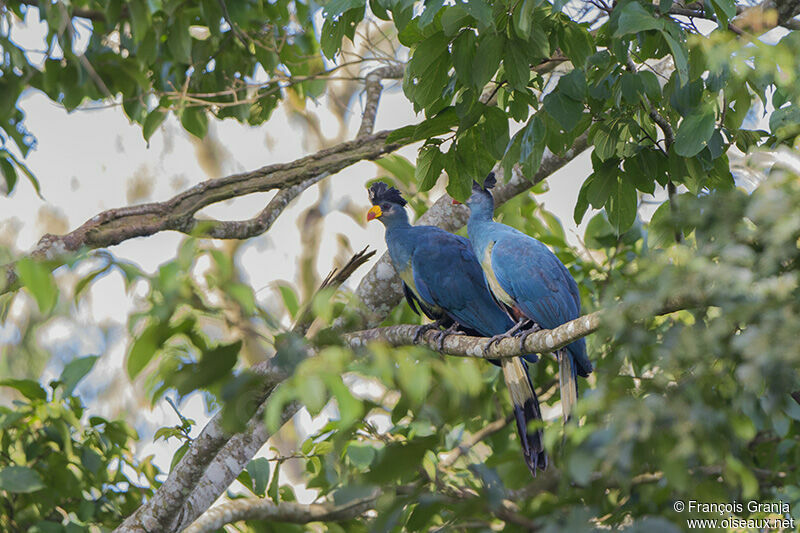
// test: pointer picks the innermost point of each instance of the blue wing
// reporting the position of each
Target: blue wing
(447, 275)
(540, 285)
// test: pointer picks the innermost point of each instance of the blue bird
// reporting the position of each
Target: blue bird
(529, 280)
(442, 276)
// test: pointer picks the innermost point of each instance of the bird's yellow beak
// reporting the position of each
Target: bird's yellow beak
(374, 212)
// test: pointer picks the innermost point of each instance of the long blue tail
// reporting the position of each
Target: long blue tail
(526, 410)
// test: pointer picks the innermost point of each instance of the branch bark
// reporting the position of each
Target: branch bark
(291, 512)
(117, 225)
(544, 341)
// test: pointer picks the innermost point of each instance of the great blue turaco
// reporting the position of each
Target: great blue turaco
(530, 281)
(442, 277)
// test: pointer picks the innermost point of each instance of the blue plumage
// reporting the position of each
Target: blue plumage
(442, 276)
(524, 275)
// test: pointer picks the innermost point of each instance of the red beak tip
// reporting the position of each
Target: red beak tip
(456, 202)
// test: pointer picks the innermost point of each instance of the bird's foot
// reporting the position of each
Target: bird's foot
(441, 335)
(510, 333)
(523, 335)
(421, 330)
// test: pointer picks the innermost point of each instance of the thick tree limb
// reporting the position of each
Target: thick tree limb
(117, 225)
(168, 499)
(544, 341)
(380, 289)
(291, 512)
(215, 458)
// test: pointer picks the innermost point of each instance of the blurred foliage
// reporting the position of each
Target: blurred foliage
(62, 469)
(691, 405)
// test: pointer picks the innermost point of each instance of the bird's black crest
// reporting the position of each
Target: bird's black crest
(380, 192)
(488, 183)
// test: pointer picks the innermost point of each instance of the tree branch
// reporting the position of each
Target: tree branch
(168, 499)
(544, 341)
(373, 89)
(215, 458)
(380, 290)
(117, 225)
(291, 512)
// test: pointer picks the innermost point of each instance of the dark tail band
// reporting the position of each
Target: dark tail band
(526, 410)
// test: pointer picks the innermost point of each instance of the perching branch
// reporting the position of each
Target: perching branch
(544, 341)
(379, 290)
(291, 512)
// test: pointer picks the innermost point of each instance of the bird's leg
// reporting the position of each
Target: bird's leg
(510, 333)
(524, 334)
(440, 335)
(436, 324)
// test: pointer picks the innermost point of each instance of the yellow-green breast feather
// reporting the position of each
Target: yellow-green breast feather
(494, 285)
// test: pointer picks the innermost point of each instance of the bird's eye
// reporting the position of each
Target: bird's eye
(385, 206)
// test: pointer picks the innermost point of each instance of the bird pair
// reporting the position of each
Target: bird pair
(497, 283)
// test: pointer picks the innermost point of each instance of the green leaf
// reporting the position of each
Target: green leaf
(463, 56)
(487, 59)
(582, 204)
(140, 19)
(144, 347)
(494, 131)
(195, 121)
(439, 124)
(621, 207)
(9, 174)
(532, 145)
(259, 472)
(480, 11)
(604, 137)
(74, 372)
(28, 388)
(573, 85)
(398, 166)
(725, 10)
(577, 44)
(289, 299)
(599, 233)
(679, 55)
(38, 279)
(459, 180)
(20, 479)
(603, 181)
(515, 61)
(661, 230)
(694, 132)
(635, 18)
(360, 455)
(334, 8)
(272, 491)
(84, 282)
(215, 365)
(565, 110)
(784, 123)
(429, 14)
(154, 119)
(179, 43)
(523, 18)
(426, 74)
(430, 163)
